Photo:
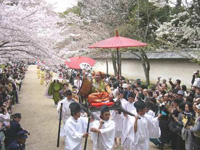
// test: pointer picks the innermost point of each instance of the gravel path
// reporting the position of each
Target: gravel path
(39, 115)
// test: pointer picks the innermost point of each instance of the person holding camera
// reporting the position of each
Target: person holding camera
(176, 85)
(196, 129)
(195, 78)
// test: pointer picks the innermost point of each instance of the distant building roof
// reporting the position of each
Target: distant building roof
(152, 55)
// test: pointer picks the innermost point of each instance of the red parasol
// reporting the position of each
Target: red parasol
(118, 42)
(80, 62)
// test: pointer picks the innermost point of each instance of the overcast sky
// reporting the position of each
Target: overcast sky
(62, 5)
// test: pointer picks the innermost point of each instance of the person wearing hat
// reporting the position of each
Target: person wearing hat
(42, 76)
(54, 89)
(66, 113)
(100, 91)
(130, 105)
(15, 127)
(180, 94)
(19, 143)
(75, 128)
(38, 72)
(48, 77)
(118, 117)
(103, 131)
(141, 128)
(131, 108)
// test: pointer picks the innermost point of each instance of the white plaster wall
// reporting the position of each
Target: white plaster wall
(177, 69)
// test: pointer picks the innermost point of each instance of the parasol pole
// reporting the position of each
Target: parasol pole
(107, 68)
(88, 126)
(118, 65)
(59, 127)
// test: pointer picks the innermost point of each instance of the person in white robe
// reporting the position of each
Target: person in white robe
(131, 108)
(103, 131)
(75, 128)
(118, 118)
(66, 113)
(141, 128)
(130, 104)
(148, 108)
(78, 82)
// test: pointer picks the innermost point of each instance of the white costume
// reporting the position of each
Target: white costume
(126, 141)
(74, 130)
(115, 92)
(5, 118)
(105, 139)
(66, 112)
(130, 107)
(147, 127)
(151, 113)
(78, 83)
(118, 119)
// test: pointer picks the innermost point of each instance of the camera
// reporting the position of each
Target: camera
(189, 115)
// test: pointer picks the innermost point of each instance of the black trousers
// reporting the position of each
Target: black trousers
(174, 140)
(196, 143)
(180, 143)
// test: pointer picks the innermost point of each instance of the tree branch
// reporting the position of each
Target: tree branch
(3, 43)
(29, 15)
(136, 55)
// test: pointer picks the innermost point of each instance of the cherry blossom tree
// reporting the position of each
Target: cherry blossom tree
(29, 29)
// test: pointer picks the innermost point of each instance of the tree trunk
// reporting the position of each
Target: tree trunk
(146, 66)
(114, 63)
(178, 4)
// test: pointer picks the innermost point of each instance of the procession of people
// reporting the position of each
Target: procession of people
(109, 111)
(166, 113)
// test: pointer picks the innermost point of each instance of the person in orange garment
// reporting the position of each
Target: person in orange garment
(99, 89)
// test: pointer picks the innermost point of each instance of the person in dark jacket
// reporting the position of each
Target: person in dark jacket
(15, 127)
(19, 143)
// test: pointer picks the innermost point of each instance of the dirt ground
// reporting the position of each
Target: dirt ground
(39, 115)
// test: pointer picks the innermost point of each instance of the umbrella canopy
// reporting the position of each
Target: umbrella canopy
(118, 42)
(80, 63)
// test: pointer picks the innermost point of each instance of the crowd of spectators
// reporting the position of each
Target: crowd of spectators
(11, 79)
(179, 106)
